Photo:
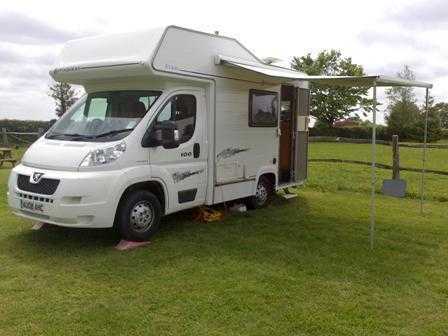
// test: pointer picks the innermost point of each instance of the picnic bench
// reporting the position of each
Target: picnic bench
(6, 156)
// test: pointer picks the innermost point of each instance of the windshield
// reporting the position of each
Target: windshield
(104, 116)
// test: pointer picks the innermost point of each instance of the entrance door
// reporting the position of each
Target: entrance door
(301, 140)
(183, 169)
(287, 122)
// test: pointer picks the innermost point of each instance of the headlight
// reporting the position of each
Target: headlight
(103, 156)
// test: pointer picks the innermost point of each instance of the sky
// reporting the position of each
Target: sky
(380, 35)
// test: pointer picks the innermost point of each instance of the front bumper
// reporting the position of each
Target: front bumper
(82, 199)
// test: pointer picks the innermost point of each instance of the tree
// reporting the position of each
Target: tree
(399, 93)
(333, 103)
(442, 110)
(402, 119)
(64, 96)
(405, 118)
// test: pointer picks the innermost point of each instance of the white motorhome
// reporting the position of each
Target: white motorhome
(172, 119)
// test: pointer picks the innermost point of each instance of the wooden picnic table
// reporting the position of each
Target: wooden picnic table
(6, 156)
(5, 153)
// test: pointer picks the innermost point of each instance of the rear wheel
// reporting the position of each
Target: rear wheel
(262, 195)
(140, 215)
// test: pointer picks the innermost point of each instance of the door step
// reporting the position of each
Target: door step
(288, 196)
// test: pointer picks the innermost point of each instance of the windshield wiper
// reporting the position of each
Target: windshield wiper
(114, 132)
(72, 135)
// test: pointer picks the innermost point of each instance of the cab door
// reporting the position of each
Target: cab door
(183, 169)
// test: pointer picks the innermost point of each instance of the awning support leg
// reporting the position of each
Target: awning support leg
(425, 145)
(372, 198)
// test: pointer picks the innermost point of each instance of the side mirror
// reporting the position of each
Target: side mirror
(164, 134)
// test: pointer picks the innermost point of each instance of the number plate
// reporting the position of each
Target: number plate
(31, 206)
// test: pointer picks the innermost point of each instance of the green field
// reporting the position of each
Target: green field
(437, 159)
(357, 178)
(301, 267)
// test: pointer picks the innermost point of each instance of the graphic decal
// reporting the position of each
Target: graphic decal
(179, 176)
(231, 151)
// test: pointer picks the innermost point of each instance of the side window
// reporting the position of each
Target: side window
(180, 109)
(263, 108)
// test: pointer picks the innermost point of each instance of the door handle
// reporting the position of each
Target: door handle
(196, 150)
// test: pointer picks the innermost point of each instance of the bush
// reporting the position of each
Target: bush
(445, 133)
(352, 132)
(412, 132)
(13, 125)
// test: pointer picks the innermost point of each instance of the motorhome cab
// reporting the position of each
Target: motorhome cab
(172, 119)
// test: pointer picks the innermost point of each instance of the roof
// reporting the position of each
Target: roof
(179, 50)
(109, 50)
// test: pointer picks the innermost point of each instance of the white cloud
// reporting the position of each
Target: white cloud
(379, 35)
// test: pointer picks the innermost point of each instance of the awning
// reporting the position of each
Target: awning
(349, 81)
(366, 81)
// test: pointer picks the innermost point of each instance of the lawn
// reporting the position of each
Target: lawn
(437, 159)
(300, 267)
(351, 177)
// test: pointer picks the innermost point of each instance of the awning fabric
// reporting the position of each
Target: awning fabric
(350, 81)
(260, 68)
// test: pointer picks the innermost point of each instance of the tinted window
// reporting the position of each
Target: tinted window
(181, 110)
(263, 108)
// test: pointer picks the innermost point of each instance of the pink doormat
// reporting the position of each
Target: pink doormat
(125, 245)
(38, 226)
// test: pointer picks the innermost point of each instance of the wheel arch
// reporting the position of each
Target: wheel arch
(271, 177)
(154, 186)
(269, 173)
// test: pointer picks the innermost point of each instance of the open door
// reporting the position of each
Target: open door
(301, 140)
(287, 122)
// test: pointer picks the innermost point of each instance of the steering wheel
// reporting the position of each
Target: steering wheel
(94, 124)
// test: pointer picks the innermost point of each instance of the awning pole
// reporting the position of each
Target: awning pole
(372, 198)
(425, 145)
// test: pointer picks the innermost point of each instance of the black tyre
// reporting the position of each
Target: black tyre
(139, 216)
(262, 195)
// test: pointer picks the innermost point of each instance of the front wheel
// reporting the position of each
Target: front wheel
(262, 195)
(140, 216)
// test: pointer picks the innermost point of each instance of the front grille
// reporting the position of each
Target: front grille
(35, 198)
(46, 186)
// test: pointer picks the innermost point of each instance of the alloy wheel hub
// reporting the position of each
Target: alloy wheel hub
(141, 217)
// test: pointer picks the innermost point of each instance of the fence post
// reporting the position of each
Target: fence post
(40, 132)
(4, 137)
(395, 158)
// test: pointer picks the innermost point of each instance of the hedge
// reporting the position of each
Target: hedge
(365, 132)
(13, 125)
(352, 132)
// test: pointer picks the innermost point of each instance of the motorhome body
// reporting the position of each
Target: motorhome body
(172, 119)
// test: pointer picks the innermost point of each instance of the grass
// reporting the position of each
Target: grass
(437, 159)
(334, 177)
(295, 268)
(351, 177)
